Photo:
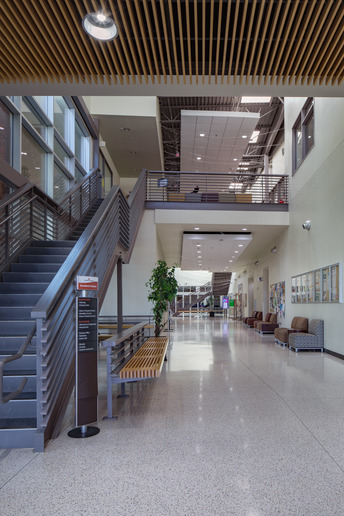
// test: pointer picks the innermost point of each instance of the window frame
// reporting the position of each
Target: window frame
(302, 122)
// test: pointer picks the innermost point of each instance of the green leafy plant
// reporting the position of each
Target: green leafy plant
(163, 288)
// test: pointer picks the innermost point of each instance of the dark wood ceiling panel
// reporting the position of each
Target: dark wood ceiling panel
(166, 40)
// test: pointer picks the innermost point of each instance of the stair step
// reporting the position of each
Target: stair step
(25, 288)
(18, 409)
(23, 366)
(10, 344)
(35, 267)
(41, 258)
(19, 299)
(11, 384)
(19, 312)
(18, 422)
(19, 436)
(16, 328)
(28, 277)
(52, 243)
(49, 250)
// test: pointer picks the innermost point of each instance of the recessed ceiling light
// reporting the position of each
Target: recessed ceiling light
(255, 100)
(99, 26)
(240, 245)
(196, 229)
(199, 158)
(236, 251)
(199, 245)
(244, 229)
(198, 251)
(230, 261)
(235, 159)
(201, 135)
(23, 153)
(2, 128)
(244, 136)
(38, 168)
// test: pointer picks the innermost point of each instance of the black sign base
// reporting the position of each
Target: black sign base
(83, 431)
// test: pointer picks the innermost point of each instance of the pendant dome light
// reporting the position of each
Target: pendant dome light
(100, 26)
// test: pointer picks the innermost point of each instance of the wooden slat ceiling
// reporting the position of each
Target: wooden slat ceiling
(178, 41)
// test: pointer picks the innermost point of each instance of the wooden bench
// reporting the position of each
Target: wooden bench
(147, 361)
(132, 356)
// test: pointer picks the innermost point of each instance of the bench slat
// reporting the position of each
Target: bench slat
(148, 360)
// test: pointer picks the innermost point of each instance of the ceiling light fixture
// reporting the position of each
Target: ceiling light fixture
(199, 158)
(201, 135)
(196, 229)
(274, 250)
(99, 26)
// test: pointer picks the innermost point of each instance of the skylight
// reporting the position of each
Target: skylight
(255, 100)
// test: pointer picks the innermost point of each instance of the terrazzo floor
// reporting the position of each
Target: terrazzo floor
(234, 426)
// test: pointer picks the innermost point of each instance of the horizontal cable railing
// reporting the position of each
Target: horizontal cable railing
(200, 187)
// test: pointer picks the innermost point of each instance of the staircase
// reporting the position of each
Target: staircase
(20, 291)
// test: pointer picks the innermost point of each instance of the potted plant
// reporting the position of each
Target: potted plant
(163, 289)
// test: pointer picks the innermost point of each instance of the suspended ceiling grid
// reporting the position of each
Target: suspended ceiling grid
(211, 141)
(239, 41)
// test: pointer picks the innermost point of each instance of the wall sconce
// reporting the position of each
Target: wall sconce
(274, 250)
(307, 225)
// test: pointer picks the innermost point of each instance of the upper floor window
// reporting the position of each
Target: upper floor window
(5, 133)
(303, 134)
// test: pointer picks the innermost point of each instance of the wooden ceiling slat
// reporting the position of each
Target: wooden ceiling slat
(11, 73)
(157, 30)
(174, 46)
(336, 61)
(224, 56)
(326, 41)
(326, 20)
(241, 34)
(61, 48)
(211, 23)
(23, 58)
(181, 39)
(44, 41)
(196, 38)
(203, 39)
(219, 23)
(262, 39)
(292, 69)
(255, 38)
(100, 47)
(164, 24)
(330, 57)
(129, 40)
(78, 33)
(233, 36)
(270, 39)
(151, 37)
(188, 36)
(18, 18)
(121, 66)
(72, 49)
(290, 53)
(306, 44)
(277, 42)
(248, 38)
(137, 38)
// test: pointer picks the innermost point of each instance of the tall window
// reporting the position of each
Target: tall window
(33, 160)
(5, 133)
(83, 147)
(61, 111)
(303, 134)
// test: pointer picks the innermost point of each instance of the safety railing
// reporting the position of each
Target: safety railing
(214, 188)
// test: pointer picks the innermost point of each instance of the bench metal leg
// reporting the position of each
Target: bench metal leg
(123, 394)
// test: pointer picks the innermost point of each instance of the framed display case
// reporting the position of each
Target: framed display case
(323, 285)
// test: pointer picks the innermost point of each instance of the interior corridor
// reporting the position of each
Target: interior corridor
(235, 425)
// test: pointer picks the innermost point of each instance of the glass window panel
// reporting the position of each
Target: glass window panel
(34, 119)
(78, 175)
(61, 116)
(298, 145)
(61, 183)
(33, 160)
(43, 102)
(309, 134)
(61, 153)
(5, 133)
(83, 148)
(107, 179)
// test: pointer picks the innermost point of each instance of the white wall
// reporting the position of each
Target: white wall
(136, 273)
(316, 193)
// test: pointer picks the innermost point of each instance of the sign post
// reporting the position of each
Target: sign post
(86, 367)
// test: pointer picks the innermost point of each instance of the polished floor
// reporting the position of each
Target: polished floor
(234, 426)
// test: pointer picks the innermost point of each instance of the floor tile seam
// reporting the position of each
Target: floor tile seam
(295, 414)
(19, 471)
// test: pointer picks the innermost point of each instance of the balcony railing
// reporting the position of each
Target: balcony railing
(218, 189)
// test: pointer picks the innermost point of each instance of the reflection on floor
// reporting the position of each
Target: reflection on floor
(234, 426)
